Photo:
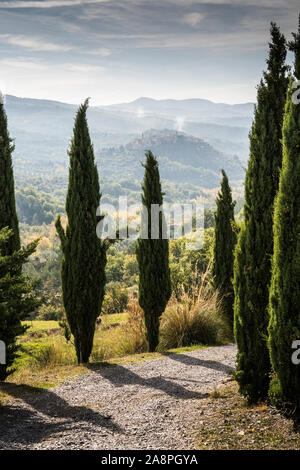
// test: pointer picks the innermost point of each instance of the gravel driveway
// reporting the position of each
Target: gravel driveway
(154, 404)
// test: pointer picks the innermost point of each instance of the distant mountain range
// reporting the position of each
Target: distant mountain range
(189, 110)
(193, 138)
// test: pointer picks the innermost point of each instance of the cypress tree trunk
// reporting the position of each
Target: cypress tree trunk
(284, 326)
(84, 254)
(225, 239)
(8, 214)
(153, 257)
(252, 266)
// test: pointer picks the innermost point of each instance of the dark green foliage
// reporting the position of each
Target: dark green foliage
(8, 215)
(252, 268)
(17, 297)
(284, 325)
(84, 254)
(225, 240)
(153, 256)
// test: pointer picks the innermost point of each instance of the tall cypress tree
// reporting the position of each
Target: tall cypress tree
(153, 256)
(17, 298)
(252, 266)
(84, 254)
(225, 239)
(8, 214)
(284, 326)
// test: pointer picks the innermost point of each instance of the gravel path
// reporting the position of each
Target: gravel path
(154, 404)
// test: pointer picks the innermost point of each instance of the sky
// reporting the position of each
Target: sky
(119, 50)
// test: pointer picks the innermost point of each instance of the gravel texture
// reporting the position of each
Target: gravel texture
(154, 404)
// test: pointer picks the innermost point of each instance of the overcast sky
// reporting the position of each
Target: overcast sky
(118, 50)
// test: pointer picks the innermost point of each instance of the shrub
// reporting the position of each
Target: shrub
(115, 300)
(50, 312)
(192, 321)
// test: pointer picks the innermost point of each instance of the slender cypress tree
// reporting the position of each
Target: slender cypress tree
(153, 256)
(8, 214)
(225, 240)
(84, 254)
(17, 298)
(252, 266)
(284, 326)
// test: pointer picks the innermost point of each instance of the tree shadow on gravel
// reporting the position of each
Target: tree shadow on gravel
(120, 376)
(194, 361)
(46, 414)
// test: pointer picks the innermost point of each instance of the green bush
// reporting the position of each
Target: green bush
(50, 312)
(115, 300)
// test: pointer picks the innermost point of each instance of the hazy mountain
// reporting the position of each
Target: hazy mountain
(42, 128)
(189, 110)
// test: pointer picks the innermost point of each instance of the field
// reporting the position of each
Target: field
(36, 325)
(44, 344)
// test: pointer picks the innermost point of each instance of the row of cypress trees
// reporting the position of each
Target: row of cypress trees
(252, 271)
(284, 327)
(84, 254)
(267, 256)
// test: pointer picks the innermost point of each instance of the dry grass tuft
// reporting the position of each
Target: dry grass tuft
(194, 319)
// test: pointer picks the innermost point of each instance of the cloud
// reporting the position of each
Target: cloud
(33, 43)
(103, 52)
(83, 68)
(32, 64)
(193, 19)
(47, 3)
(261, 3)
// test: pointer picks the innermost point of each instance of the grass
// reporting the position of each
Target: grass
(39, 325)
(228, 422)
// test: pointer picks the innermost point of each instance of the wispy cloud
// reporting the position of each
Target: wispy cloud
(38, 44)
(33, 43)
(32, 64)
(102, 52)
(47, 3)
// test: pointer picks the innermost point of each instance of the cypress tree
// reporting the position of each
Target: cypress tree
(153, 256)
(284, 326)
(252, 265)
(225, 239)
(17, 297)
(8, 214)
(84, 254)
